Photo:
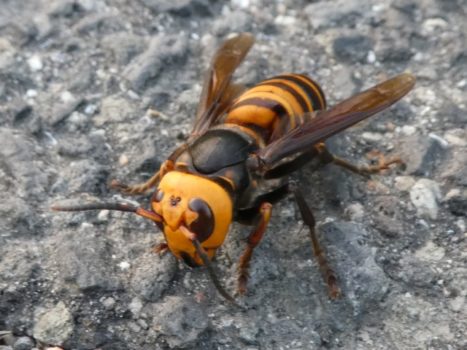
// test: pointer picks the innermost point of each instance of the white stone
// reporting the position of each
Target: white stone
(442, 142)
(66, 96)
(431, 24)
(457, 303)
(123, 160)
(135, 307)
(454, 192)
(425, 195)
(355, 211)
(404, 183)
(31, 93)
(430, 252)
(109, 303)
(35, 63)
(371, 57)
(285, 20)
(54, 326)
(371, 136)
(456, 137)
(408, 130)
(124, 265)
(243, 4)
(103, 215)
(90, 109)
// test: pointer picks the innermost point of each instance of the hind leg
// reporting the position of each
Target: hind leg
(383, 164)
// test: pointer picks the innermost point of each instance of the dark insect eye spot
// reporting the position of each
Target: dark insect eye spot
(158, 196)
(203, 226)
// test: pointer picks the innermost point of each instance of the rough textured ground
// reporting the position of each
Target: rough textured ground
(76, 80)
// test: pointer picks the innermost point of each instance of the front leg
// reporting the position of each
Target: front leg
(160, 248)
(253, 239)
(137, 188)
(167, 166)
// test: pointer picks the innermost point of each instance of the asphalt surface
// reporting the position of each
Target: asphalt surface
(77, 79)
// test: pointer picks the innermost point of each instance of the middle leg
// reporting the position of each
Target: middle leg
(309, 220)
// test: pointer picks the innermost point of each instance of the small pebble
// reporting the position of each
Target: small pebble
(371, 57)
(355, 212)
(135, 306)
(372, 136)
(55, 325)
(31, 93)
(430, 252)
(243, 4)
(457, 303)
(404, 183)
(180, 321)
(124, 265)
(67, 96)
(109, 303)
(248, 333)
(90, 109)
(456, 137)
(142, 323)
(454, 192)
(123, 160)
(442, 142)
(285, 20)
(35, 63)
(434, 24)
(461, 225)
(23, 343)
(134, 327)
(408, 130)
(425, 195)
(103, 215)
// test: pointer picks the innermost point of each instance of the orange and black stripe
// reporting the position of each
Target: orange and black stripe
(276, 105)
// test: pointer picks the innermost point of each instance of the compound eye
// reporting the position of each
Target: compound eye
(204, 223)
(158, 195)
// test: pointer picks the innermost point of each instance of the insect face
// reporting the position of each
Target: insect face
(192, 207)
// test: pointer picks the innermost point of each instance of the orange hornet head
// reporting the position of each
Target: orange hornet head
(192, 207)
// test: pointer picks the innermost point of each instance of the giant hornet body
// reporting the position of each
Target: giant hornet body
(241, 139)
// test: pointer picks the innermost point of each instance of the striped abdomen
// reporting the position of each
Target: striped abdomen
(276, 105)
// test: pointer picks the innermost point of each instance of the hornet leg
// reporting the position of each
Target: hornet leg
(138, 188)
(328, 157)
(249, 216)
(160, 248)
(253, 239)
(309, 220)
(167, 166)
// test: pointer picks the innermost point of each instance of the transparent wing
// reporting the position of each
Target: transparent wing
(218, 91)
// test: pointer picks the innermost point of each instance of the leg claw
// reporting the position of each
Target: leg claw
(160, 249)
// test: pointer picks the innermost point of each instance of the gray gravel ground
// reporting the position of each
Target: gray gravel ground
(76, 80)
